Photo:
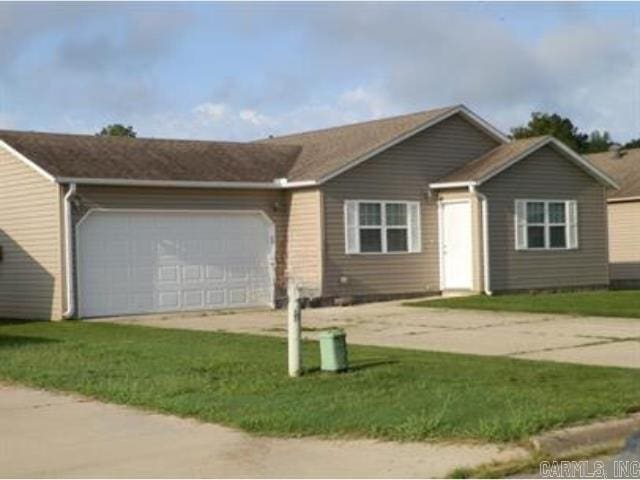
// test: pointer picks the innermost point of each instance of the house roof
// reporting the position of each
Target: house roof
(503, 156)
(87, 156)
(309, 157)
(332, 149)
(624, 169)
(495, 159)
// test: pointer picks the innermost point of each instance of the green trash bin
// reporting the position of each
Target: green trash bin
(333, 351)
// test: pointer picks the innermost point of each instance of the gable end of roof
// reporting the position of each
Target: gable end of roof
(459, 109)
(32, 165)
(496, 161)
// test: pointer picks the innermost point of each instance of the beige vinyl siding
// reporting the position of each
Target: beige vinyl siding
(546, 175)
(304, 244)
(30, 237)
(624, 240)
(271, 202)
(402, 172)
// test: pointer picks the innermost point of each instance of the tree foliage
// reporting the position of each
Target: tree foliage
(598, 142)
(552, 124)
(117, 130)
(564, 130)
(635, 143)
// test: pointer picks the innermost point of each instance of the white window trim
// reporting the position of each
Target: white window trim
(546, 224)
(383, 227)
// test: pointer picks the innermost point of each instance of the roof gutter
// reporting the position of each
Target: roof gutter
(68, 253)
(623, 199)
(445, 185)
(278, 184)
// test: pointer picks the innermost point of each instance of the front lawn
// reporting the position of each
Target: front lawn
(615, 303)
(240, 380)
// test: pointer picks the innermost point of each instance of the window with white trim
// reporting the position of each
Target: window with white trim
(373, 226)
(546, 224)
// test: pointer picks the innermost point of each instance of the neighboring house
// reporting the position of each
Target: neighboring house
(624, 215)
(421, 203)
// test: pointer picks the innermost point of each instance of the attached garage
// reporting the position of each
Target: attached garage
(137, 261)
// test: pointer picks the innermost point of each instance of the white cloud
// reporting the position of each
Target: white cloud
(423, 56)
(254, 118)
(211, 111)
(346, 63)
(222, 121)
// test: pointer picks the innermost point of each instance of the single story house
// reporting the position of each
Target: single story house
(623, 206)
(428, 202)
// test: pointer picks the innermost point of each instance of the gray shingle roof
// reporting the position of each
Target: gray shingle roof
(625, 170)
(86, 156)
(328, 150)
(492, 161)
(303, 156)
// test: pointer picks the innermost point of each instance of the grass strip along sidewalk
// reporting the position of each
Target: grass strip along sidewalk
(240, 380)
(620, 303)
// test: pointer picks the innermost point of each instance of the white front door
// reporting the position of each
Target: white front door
(455, 245)
(157, 261)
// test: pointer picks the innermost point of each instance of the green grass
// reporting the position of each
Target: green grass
(240, 380)
(617, 303)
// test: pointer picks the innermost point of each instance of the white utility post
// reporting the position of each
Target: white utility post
(293, 329)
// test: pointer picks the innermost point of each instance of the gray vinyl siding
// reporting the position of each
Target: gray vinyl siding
(271, 202)
(30, 236)
(402, 172)
(624, 240)
(546, 174)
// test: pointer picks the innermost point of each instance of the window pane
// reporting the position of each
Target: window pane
(370, 240)
(557, 237)
(397, 240)
(535, 237)
(370, 214)
(535, 212)
(396, 214)
(556, 212)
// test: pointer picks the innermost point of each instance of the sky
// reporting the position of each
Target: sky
(240, 71)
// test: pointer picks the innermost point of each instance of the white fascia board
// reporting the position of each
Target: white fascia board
(460, 109)
(452, 185)
(576, 158)
(26, 161)
(123, 182)
(483, 124)
(542, 142)
(596, 172)
(623, 199)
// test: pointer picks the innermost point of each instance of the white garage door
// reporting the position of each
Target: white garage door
(141, 262)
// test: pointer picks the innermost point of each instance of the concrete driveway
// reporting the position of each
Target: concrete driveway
(47, 435)
(563, 338)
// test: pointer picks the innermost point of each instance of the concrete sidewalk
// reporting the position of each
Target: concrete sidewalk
(564, 338)
(53, 435)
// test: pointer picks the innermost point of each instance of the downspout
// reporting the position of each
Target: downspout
(484, 205)
(68, 253)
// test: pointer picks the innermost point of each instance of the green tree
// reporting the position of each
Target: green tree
(598, 142)
(117, 130)
(635, 143)
(552, 124)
